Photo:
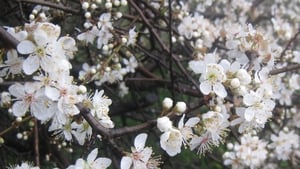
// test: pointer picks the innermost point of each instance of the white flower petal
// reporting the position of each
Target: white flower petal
(17, 90)
(249, 114)
(139, 141)
(31, 64)
(101, 163)
(180, 123)
(26, 47)
(19, 108)
(249, 99)
(146, 154)
(92, 156)
(192, 121)
(52, 93)
(40, 111)
(126, 162)
(220, 90)
(205, 87)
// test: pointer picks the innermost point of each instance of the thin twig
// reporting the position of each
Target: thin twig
(285, 69)
(52, 5)
(36, 143)
(289, 44)
(111, 133)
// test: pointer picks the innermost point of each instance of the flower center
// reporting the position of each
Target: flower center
(40, 51)
(29, 98)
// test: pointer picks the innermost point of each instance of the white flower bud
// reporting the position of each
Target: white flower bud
(19, 119)
(64, 144)
(124, 40)
(110, 45)
(164, 124)
(87, 15)
(19, 135)
(82, 89)
(85, 5)
(229, 146)
(285, 129)
(243, 76)
(108, 5)
(42, 15)
(93, 6)
(123, 2)
(181, 38)
(167, 103)
(119, 14)
(105, 48)
(173, 39)
(31, 17)
(235, 83)
(98, 1)
(180, 107)
(117, 3)
(93, 71)
(86, 25)
(34, 11)
(5, 99)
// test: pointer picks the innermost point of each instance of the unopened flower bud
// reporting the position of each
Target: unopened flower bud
(87, 15)
(108, 5)
(117, 3)
(93, 6)
(85, 5)
(123, 2)
(19, 119)
(235, 83)
(180, 107)
(31, 17)
(105, 48)
(164, 124)
(82, 89)
(229, 146)
(167, 103)
(124, 40)
(19, 135)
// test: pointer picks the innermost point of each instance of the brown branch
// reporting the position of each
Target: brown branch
(8, 38)
(289, 44)
(52, 5)
(285, 69)
(111, 133)
(36, 143)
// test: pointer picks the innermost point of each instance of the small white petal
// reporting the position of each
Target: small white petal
(192, 121)
(220, 90)
(26, 47)
(31, 64)
(101, 163)
(249, 113)
(205, 87)
(126, 163)
(139, 141)
(52, 93)
(40, 111)
(92, 156)
(19, 108)
(249, 99)
(17, 90)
